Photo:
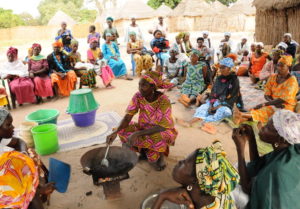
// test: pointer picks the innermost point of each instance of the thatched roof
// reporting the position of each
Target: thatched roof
(137, 8)
(106, 13)
(218, 6)
(163, 10)
(193, 8)
(275, 4)
(244, 6)
(60, 17)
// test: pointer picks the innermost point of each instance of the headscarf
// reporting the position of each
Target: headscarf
(74, 42)
(108, 34)
(94, 39)
(260, 44)
(228, 62)
(3, 115)
(288, 34)
(180, 35)
(57, 44)
(287, 60)
(110, 18)
(216, 176)
(12, 51)
(19, 179)
(283, 45)
(174, 49)
(196, 52)
(132, 33)
(35, 45)
(205, 32)
(155, 78)
(232, 56)
(227, 34)
(287, 124)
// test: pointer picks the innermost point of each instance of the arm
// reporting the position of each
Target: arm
(18, 145)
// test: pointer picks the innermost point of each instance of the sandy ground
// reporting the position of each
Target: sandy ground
(143, 179)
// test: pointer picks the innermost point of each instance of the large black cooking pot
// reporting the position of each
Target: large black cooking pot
(121, 161)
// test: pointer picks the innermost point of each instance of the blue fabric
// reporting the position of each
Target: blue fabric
(221, 113)
(162, 56)
(66, 33)
(118, 66)
(227, 62)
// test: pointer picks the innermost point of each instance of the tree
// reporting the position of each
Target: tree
(8, 19)
(157, 3)
(74, 8)
(29, 20)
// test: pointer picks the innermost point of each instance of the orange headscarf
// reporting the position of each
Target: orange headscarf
(232, 56)
(287, 60)
(57, 44)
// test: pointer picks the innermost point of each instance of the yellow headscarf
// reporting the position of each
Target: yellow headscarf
(287, 60)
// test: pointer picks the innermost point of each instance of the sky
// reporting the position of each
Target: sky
(30, 6)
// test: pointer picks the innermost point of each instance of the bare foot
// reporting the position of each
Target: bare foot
(183, 123)
(187, 105)
(236, 115)
(160, 164)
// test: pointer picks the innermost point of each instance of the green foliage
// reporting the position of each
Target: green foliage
(8, 19)
(157, 3)
(29, 20)
(73, 8)
(173, 3)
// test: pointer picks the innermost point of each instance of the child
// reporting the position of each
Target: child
(244, 66)
(160, 46)
(104, 71)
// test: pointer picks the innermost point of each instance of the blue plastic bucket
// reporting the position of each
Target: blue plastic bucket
(84, 119)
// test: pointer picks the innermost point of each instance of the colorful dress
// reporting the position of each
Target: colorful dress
(152, 114)
(94, 35)
(258, 64)
(60, 63)
(275, 179)
(42, 82)
(87, 76)
(19, 179)
(194, 83)
(142, 61)
(225, 92)
(158, 46)
(118, 66)
(286, 91)
(267, 71)
(22, 86)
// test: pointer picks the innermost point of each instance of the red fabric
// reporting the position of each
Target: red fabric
(156, 50)
(23, 89)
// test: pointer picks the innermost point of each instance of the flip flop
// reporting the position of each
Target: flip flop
(209, 128)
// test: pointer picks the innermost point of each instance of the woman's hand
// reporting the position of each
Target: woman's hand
(240, 136)
(110, 138)
(177, 195)
(132, 138)
(47, 189)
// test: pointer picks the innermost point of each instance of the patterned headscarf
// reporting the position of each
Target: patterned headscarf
(18, 180)
(35, 45)
(287, 124)
(57, 44)
(94, 39)
(3, 115)
(74, 42)
(228, 62)
(110, 18)
(196, 52)
(216, 176)
(12, 51)
(232, 56)
(286, 59)
(155, 78)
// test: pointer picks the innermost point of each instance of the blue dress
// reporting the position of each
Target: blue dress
(118, 66)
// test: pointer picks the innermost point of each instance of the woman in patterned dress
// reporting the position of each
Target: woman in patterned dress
(280, 92)
(154, 132)
(194, 83)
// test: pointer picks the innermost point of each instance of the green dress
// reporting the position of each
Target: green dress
(276, 180)
(194, 83)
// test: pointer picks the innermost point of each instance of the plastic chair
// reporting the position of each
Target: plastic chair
(12, 97)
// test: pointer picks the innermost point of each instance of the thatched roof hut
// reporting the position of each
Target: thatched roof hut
(137, 8)
(243, 6)
(163, 10)
(193, 8)
(218, 6)
(60, 17)
(275, 17)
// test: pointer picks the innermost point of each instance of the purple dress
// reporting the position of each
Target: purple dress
(95, 35)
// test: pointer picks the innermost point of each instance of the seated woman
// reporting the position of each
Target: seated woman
(63, 78)
(174, 68)
(243, 64)
(257, 62)
(87, 76)
(160, 46)
(26, 187)
(296, 70)
(39, 71)
(16, 72)
(207, 179)
(179, 47)
(142, 60)
(280, 92)
(270, 180)
(270, 67)
(187, 43)
(194, 83)
(224, 94)
(155, 131)
(111, 53)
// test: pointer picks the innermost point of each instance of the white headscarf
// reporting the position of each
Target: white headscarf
(227, 34)
(288, 34)
(283, 45)
(287, 124)
(205, 32)
(260, 44)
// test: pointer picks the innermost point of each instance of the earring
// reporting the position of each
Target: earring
(189, 188)
(276, 145)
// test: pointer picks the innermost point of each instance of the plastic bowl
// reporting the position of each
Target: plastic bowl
(82, 101)
(43, 116)
(149, 201)
(84, 119)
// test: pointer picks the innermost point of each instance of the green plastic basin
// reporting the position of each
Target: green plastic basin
(43, 116)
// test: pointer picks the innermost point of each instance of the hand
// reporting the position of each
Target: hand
(258, 106)
(240, 136)
(47, 189)
(31, 75)
(110, 138)
(178, 196)
(132, 138)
